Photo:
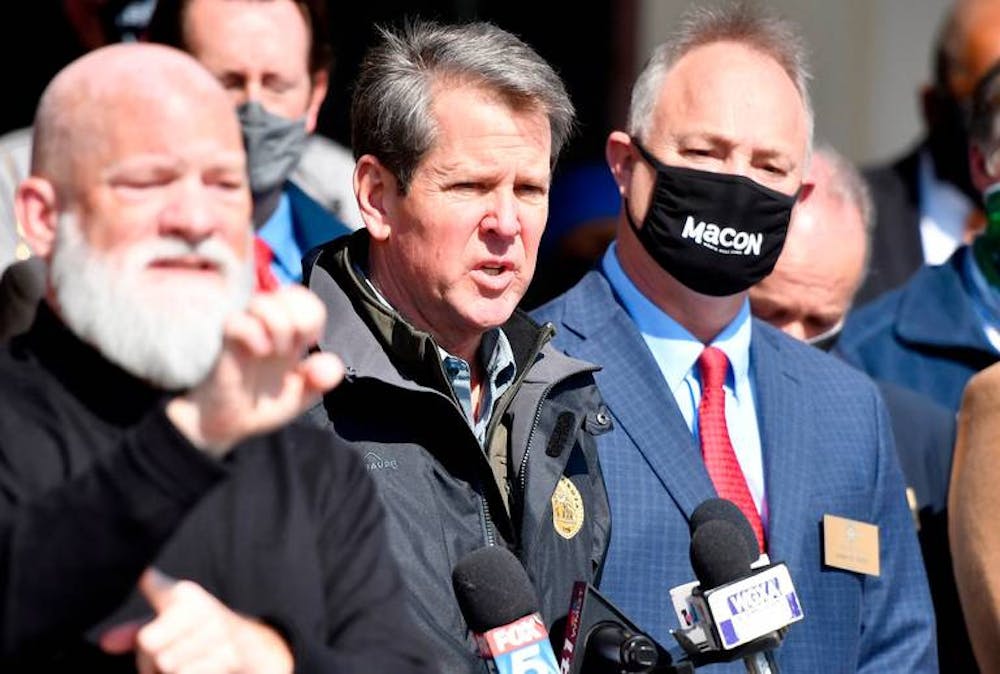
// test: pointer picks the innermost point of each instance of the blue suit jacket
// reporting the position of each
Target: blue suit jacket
(313, 224)
(827, 449)
(925, 438)
(924, 336)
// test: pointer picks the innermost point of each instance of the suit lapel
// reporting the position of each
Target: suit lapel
(782, 413)
(634, 390)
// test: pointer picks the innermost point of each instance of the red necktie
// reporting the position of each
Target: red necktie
(262, 256)
(717, 450)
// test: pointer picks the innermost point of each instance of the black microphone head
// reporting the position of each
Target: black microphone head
(492, 588)
(718, 555)
(726, 510)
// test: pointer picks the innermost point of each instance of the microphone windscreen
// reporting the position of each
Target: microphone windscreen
(726, 510)
(718, 555)
(492, 589)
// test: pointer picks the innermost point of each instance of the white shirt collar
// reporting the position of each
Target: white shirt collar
(944, 211)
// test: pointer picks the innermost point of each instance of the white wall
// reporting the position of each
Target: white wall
(869, 59)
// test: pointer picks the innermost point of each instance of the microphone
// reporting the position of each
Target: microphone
(689, 613)
(601, 640)
(738, 607)
(727, 511)
(500, 606)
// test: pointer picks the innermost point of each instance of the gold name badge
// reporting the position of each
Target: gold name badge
(567, 509)
(850, 545)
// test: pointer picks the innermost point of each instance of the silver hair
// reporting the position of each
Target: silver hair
(848, 186)
(391, 108)
(984, 125)
(744, 22)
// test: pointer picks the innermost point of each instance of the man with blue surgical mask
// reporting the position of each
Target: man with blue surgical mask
(272, 57)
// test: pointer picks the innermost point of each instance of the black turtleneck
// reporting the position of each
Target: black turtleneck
(96, 484)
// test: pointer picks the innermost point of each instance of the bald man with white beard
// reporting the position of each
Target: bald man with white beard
(159, 508)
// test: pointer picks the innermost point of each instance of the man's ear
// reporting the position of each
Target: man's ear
(37, 213)
(320, 84)
(376, 189)
(621, 160)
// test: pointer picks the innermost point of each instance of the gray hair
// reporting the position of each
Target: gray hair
(744, 22)
(391, 109)
(984, 127)
(848, 186)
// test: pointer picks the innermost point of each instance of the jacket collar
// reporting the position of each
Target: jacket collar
(407, 355)
(635, 391)
(643, 404)
(935, 309)
(313, 225)
(106, 389)
(783, 410)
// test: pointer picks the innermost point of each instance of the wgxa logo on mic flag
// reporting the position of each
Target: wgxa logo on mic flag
(750, 608)
(522, 647)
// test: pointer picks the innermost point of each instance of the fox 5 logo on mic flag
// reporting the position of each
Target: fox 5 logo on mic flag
(522, 647)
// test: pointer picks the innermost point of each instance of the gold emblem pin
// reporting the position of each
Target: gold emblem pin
(567, 509)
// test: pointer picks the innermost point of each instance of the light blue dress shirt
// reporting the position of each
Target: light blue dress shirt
(499, 369)
(279, 232)
(676, 352)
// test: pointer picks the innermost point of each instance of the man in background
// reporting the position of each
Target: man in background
(806, 296)
(144, 417)
(273, 57)
(943, 325)
(926, 205)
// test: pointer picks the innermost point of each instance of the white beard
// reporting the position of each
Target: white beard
(170, 333)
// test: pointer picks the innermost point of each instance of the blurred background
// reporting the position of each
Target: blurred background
(869, 57)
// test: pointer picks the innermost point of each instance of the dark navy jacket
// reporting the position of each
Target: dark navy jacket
(314, 225)
(924, 336)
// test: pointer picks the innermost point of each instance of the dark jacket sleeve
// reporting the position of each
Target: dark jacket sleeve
(368, 626)
(72, 547)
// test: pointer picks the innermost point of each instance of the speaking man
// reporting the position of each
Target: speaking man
(476, 430)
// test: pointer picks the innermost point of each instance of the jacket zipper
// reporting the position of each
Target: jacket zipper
(547, 331)
(486, 519)
(522, 471)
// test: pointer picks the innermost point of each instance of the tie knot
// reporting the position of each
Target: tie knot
(713, 365)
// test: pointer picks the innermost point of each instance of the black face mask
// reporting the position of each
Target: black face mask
(716, 233)
(948, 139)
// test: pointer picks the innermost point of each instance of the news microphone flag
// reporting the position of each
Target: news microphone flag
(522, 647)
(754, 606)
(501, 608)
